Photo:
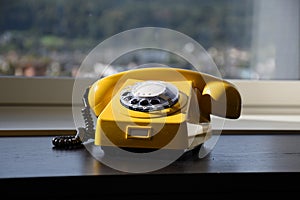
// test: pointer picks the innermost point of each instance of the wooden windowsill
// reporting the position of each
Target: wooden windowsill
(238, 165)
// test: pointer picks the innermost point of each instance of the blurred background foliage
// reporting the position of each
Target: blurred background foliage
(69, 29)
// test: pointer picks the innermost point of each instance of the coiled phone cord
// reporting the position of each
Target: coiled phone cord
(82, 135)
(67, 142)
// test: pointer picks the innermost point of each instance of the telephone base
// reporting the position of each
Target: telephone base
(184, 154)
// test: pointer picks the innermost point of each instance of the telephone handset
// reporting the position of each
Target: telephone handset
(210, 89)
(153, 108)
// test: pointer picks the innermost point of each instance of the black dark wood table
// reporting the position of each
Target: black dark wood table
(239, 164)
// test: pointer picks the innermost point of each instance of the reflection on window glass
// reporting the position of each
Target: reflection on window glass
(249, 39)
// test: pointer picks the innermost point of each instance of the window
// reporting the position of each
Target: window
(254, 43)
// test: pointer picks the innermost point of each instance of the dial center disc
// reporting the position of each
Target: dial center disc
(149, 96)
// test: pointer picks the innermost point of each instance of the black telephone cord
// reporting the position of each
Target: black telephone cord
(83, 134)
(67, 142)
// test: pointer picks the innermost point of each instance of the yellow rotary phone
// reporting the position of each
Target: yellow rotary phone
(148, 109)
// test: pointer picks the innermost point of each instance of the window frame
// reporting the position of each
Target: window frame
(266, 105)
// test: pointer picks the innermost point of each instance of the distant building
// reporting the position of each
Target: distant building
(31, 66)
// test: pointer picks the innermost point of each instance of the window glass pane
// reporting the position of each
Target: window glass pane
(248, 39)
